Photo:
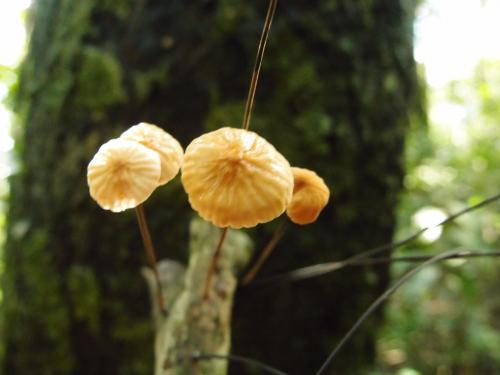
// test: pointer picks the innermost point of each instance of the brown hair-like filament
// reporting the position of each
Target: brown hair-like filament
(258, 63)
(246, 118)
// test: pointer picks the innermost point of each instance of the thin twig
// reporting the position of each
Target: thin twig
(238, 358)
(463, 254)
(324, 268)
(258, 63)
(381, 300)
(213, 263)
(265, 253)
(150, 251)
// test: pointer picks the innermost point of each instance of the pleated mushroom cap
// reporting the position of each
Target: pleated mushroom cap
(123, 174)
(235, 178)
(159, 140)
(310, 196)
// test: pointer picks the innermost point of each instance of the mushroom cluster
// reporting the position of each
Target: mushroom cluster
(125, 171)
(233, 177)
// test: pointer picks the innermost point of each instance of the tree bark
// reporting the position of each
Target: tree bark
(337, 89)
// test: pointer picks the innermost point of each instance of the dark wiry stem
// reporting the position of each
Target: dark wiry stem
(213, 264)
(238, 358)
(258, 63)
(324, 268)
(265, 253)
(150, 251)
(463, 254)
(379, 301)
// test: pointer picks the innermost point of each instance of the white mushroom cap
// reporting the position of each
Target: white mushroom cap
(123, 174)
(159, 140)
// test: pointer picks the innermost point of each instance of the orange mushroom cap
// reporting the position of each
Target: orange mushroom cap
(235, 178)
(310, 196)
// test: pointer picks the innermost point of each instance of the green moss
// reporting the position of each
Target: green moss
(144, 80)
(42, 303)
(84, 291)
(391, 83)
(121, 8)
(228, 16)
(135, 332)
(55, 42)
(227, 114)
(99, 81)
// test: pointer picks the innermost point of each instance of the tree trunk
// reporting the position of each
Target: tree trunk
(335, 95)
(337, 91)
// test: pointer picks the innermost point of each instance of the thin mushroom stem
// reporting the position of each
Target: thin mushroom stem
(258, 63)
(213, 263)
(150, 251)
(265, 253)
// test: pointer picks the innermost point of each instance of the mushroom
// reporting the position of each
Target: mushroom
(155, 138)
(123, 174)
(235, 178)
(310, 196)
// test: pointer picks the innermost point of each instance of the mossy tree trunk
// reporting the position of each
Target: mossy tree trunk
(336, 92)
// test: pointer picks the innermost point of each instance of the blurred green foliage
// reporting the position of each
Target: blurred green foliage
(445, 320)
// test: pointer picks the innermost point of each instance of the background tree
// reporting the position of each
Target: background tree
(337, 89)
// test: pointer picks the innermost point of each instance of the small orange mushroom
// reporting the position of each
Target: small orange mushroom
(235, 178)
(123, 174)
(155, 138)
(310, 196)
